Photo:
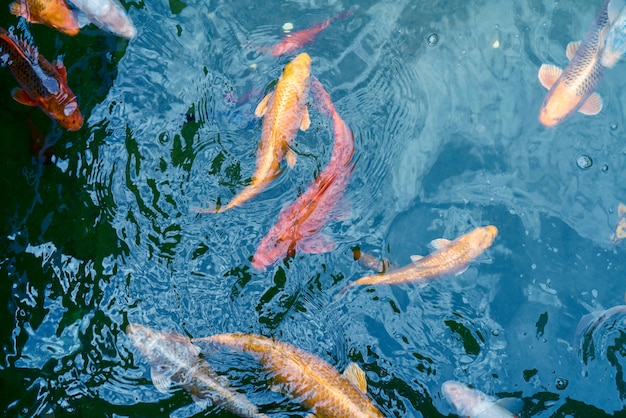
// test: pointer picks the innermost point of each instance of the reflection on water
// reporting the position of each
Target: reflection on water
(446, 138)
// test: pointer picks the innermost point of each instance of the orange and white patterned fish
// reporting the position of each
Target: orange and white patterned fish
(450, 257)
(175, 360)
(284, 111)
(53, 13)
(573, 89)
(314, 382)
(42, 83)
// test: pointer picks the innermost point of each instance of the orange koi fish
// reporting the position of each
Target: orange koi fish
(43, 84)
(573, 89)
(175, 360)
(450, 257)
(53, 13)
(299, 223)
(297, 40)
(285, 110)
(314, 382)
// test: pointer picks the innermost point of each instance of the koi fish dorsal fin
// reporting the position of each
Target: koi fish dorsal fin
(440, 243)
(592, 106)
(262, 106)
(415, 259)
(571, 49)
(356, 376)
(22, 97)
(306, 120)
(548, 74)
(291, 158)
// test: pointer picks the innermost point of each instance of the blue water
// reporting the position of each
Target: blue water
(446, 139)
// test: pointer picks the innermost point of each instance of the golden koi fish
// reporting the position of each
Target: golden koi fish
(316, 384)
(175, 360)
(572, 89)
(284, 111)
(450, 257)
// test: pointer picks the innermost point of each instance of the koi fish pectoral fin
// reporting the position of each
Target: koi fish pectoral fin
(318, 244)
(261, 108)
(291, 158)
(415, 259)
(592, 106)
(571, 49)
(356, 376)
(306, 120)
(548, 74)
(22, 97)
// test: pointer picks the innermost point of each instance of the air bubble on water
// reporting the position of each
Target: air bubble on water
(584, 162)
(605, 168)
(561, 383)
(614, 126)
(432, 39)
(287, 27)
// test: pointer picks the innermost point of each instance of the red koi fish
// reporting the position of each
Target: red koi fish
(299, 223)
(573, 89)
(53, 13)
(297, 40)
(43, 84)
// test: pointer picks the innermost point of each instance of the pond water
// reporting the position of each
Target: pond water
(442, 97)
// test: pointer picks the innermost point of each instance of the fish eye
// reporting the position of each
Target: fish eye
(70, 108)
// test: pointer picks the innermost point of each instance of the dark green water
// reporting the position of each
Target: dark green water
(447, 139)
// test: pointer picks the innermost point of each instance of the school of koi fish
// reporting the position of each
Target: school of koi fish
(316, 384)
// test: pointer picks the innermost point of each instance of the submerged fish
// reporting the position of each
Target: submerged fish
(591, 328)
(615, 42)
(370, 262)
(53, 13)
(620, 230)
(473, 403)
(450, 257)
(299, 223)
(285, 111)
(573, 89)
(106, 14)
(297, 40)
(316, 384)
(174, 359)
(42, 83)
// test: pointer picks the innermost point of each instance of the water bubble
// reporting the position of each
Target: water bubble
(614, 126)
(561, 383)
(432, 39)
(584, 162)
(605, 168)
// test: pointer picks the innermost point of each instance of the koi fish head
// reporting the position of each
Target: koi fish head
(556, 107)
(271, 249)
(483, 237)
(142, 337)
(299, 67)
(67, 114)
